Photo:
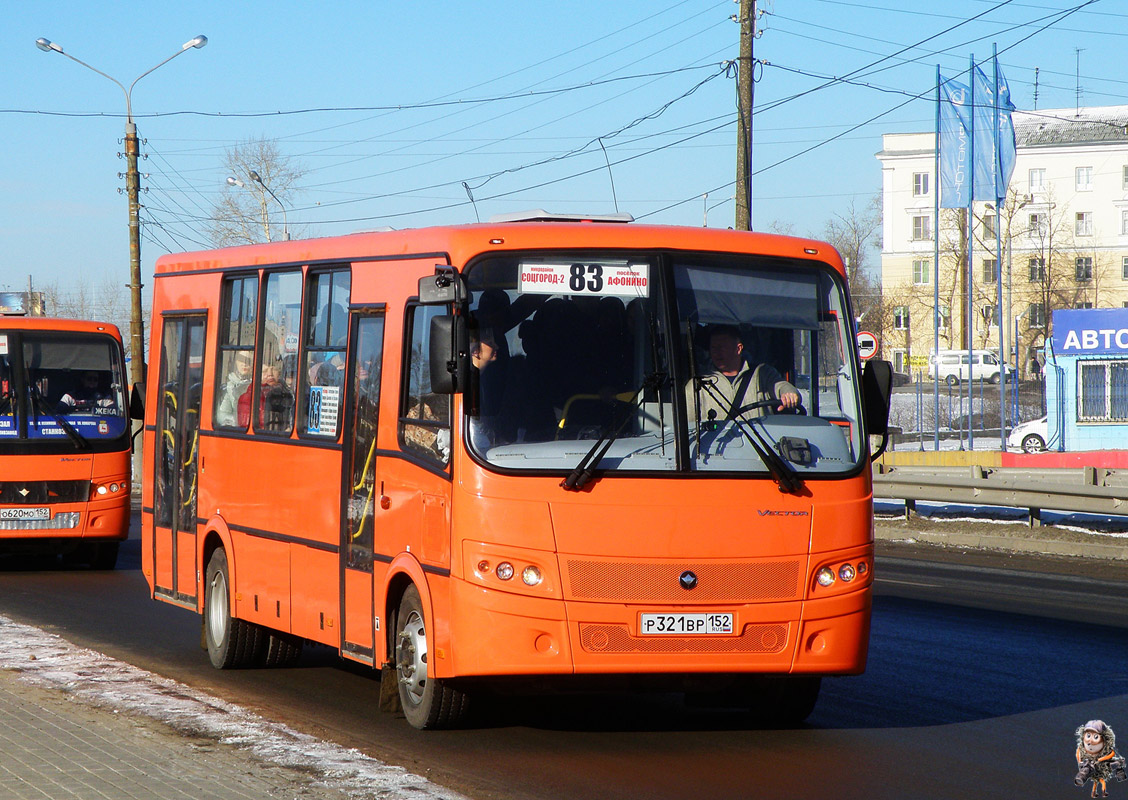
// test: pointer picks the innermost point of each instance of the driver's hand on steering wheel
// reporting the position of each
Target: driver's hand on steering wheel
(788, 400)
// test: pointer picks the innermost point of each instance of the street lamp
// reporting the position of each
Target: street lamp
(232, 181)
(132, 186)
(285, 223)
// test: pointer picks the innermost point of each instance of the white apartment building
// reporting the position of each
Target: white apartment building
(1064, 227)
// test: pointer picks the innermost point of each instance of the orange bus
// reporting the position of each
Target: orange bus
(479, 456)
(64, 439)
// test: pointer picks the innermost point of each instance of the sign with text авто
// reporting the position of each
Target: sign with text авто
(1091, 332)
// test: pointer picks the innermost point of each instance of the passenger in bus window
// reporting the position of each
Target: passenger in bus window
(483, 353)
(330, 372)
(88, 397)
(733, 384)
(237, 384)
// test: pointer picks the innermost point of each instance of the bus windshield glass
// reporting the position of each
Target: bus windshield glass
(60, 389)
(631, 362)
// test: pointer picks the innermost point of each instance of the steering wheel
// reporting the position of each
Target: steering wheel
(773, 404)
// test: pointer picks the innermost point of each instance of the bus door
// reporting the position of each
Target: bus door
(361, 489)
(178, 425)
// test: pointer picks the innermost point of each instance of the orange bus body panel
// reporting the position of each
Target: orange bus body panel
(280, 498)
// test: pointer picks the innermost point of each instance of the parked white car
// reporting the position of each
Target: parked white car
(952, 366)
(1030, 437)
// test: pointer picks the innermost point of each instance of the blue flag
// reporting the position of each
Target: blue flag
(997, 146)
(955, 144)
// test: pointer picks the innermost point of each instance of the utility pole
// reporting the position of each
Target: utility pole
(745, 89)
(136, 321)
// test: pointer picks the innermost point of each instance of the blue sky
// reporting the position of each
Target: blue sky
(390, 107)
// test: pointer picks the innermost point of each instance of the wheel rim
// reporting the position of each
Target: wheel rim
(411, 657)
(217, 608)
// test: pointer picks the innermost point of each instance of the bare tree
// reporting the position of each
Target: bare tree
(248, 214)
(854, 235)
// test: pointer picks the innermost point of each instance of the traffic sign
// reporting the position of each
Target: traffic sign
(867, 345)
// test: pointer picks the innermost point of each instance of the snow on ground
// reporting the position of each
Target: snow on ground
(49, 661)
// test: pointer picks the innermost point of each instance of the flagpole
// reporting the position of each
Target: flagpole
(1000, 189)
(969, 330)
(936, 281)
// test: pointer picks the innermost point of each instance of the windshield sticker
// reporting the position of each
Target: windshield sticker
(324, 405)
(605, 278)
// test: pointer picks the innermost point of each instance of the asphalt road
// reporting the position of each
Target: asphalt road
(980, 669)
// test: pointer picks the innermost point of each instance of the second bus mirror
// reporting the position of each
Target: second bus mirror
(137, 401)
(449, 354)
(442, 288)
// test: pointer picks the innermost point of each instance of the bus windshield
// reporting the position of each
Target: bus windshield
(60, 389)
(632, 362)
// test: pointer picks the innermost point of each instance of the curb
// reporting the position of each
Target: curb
(1056, 547)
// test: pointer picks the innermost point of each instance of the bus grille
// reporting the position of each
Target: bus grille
(617, 639)
(39, 493)
(65, 520)
(740, 582)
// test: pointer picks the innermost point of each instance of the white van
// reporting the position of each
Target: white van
(952, 366)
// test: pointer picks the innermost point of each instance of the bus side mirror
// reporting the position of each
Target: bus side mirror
(137, 401)
(449, 354)
(444, 287)
(877, 388)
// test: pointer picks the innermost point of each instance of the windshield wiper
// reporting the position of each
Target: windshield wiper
(785, 476)
(579, 477)
(38, 406)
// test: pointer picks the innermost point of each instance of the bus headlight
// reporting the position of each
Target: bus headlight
(846, 572)
(531, 575)
(511, 569)
(825, 576)
(505, 570)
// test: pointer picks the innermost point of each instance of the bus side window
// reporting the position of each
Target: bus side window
(281, 321)
(322, 375)
(424, 415)
(235, 367)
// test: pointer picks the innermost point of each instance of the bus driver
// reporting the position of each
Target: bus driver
(732, 384)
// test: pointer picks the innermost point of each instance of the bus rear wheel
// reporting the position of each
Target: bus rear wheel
(428, 702)
(230, 642)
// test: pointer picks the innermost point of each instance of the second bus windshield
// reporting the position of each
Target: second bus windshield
(678, 363)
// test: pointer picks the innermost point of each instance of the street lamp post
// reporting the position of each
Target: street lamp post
(132, 187)
(285, 223)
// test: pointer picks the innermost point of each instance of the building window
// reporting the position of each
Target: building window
(922, 228)
(988, 225)
(990, 270)
(920, 184)
(1083, 304)
(1084, 179)
(1124, 222)
(1038, 180)
(1124, 267)
(920, 271)
(901, 318)
(1084, 223)
(1124, 178)
(1037, 224)
(1036, 315)
(1085, 268)
(1102, 390)
(1037, 270)
(945, 316)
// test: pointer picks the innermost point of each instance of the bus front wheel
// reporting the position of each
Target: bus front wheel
(427, 702)
(230, 642)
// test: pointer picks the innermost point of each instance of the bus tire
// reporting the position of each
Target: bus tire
(785, 701)
(428, 703)
(230, 642)
(279, 649)
(104, 555)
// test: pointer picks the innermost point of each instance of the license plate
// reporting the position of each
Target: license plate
(685, 624)
(25, 513)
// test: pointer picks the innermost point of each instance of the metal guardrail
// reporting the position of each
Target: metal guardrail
(1085, 490)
